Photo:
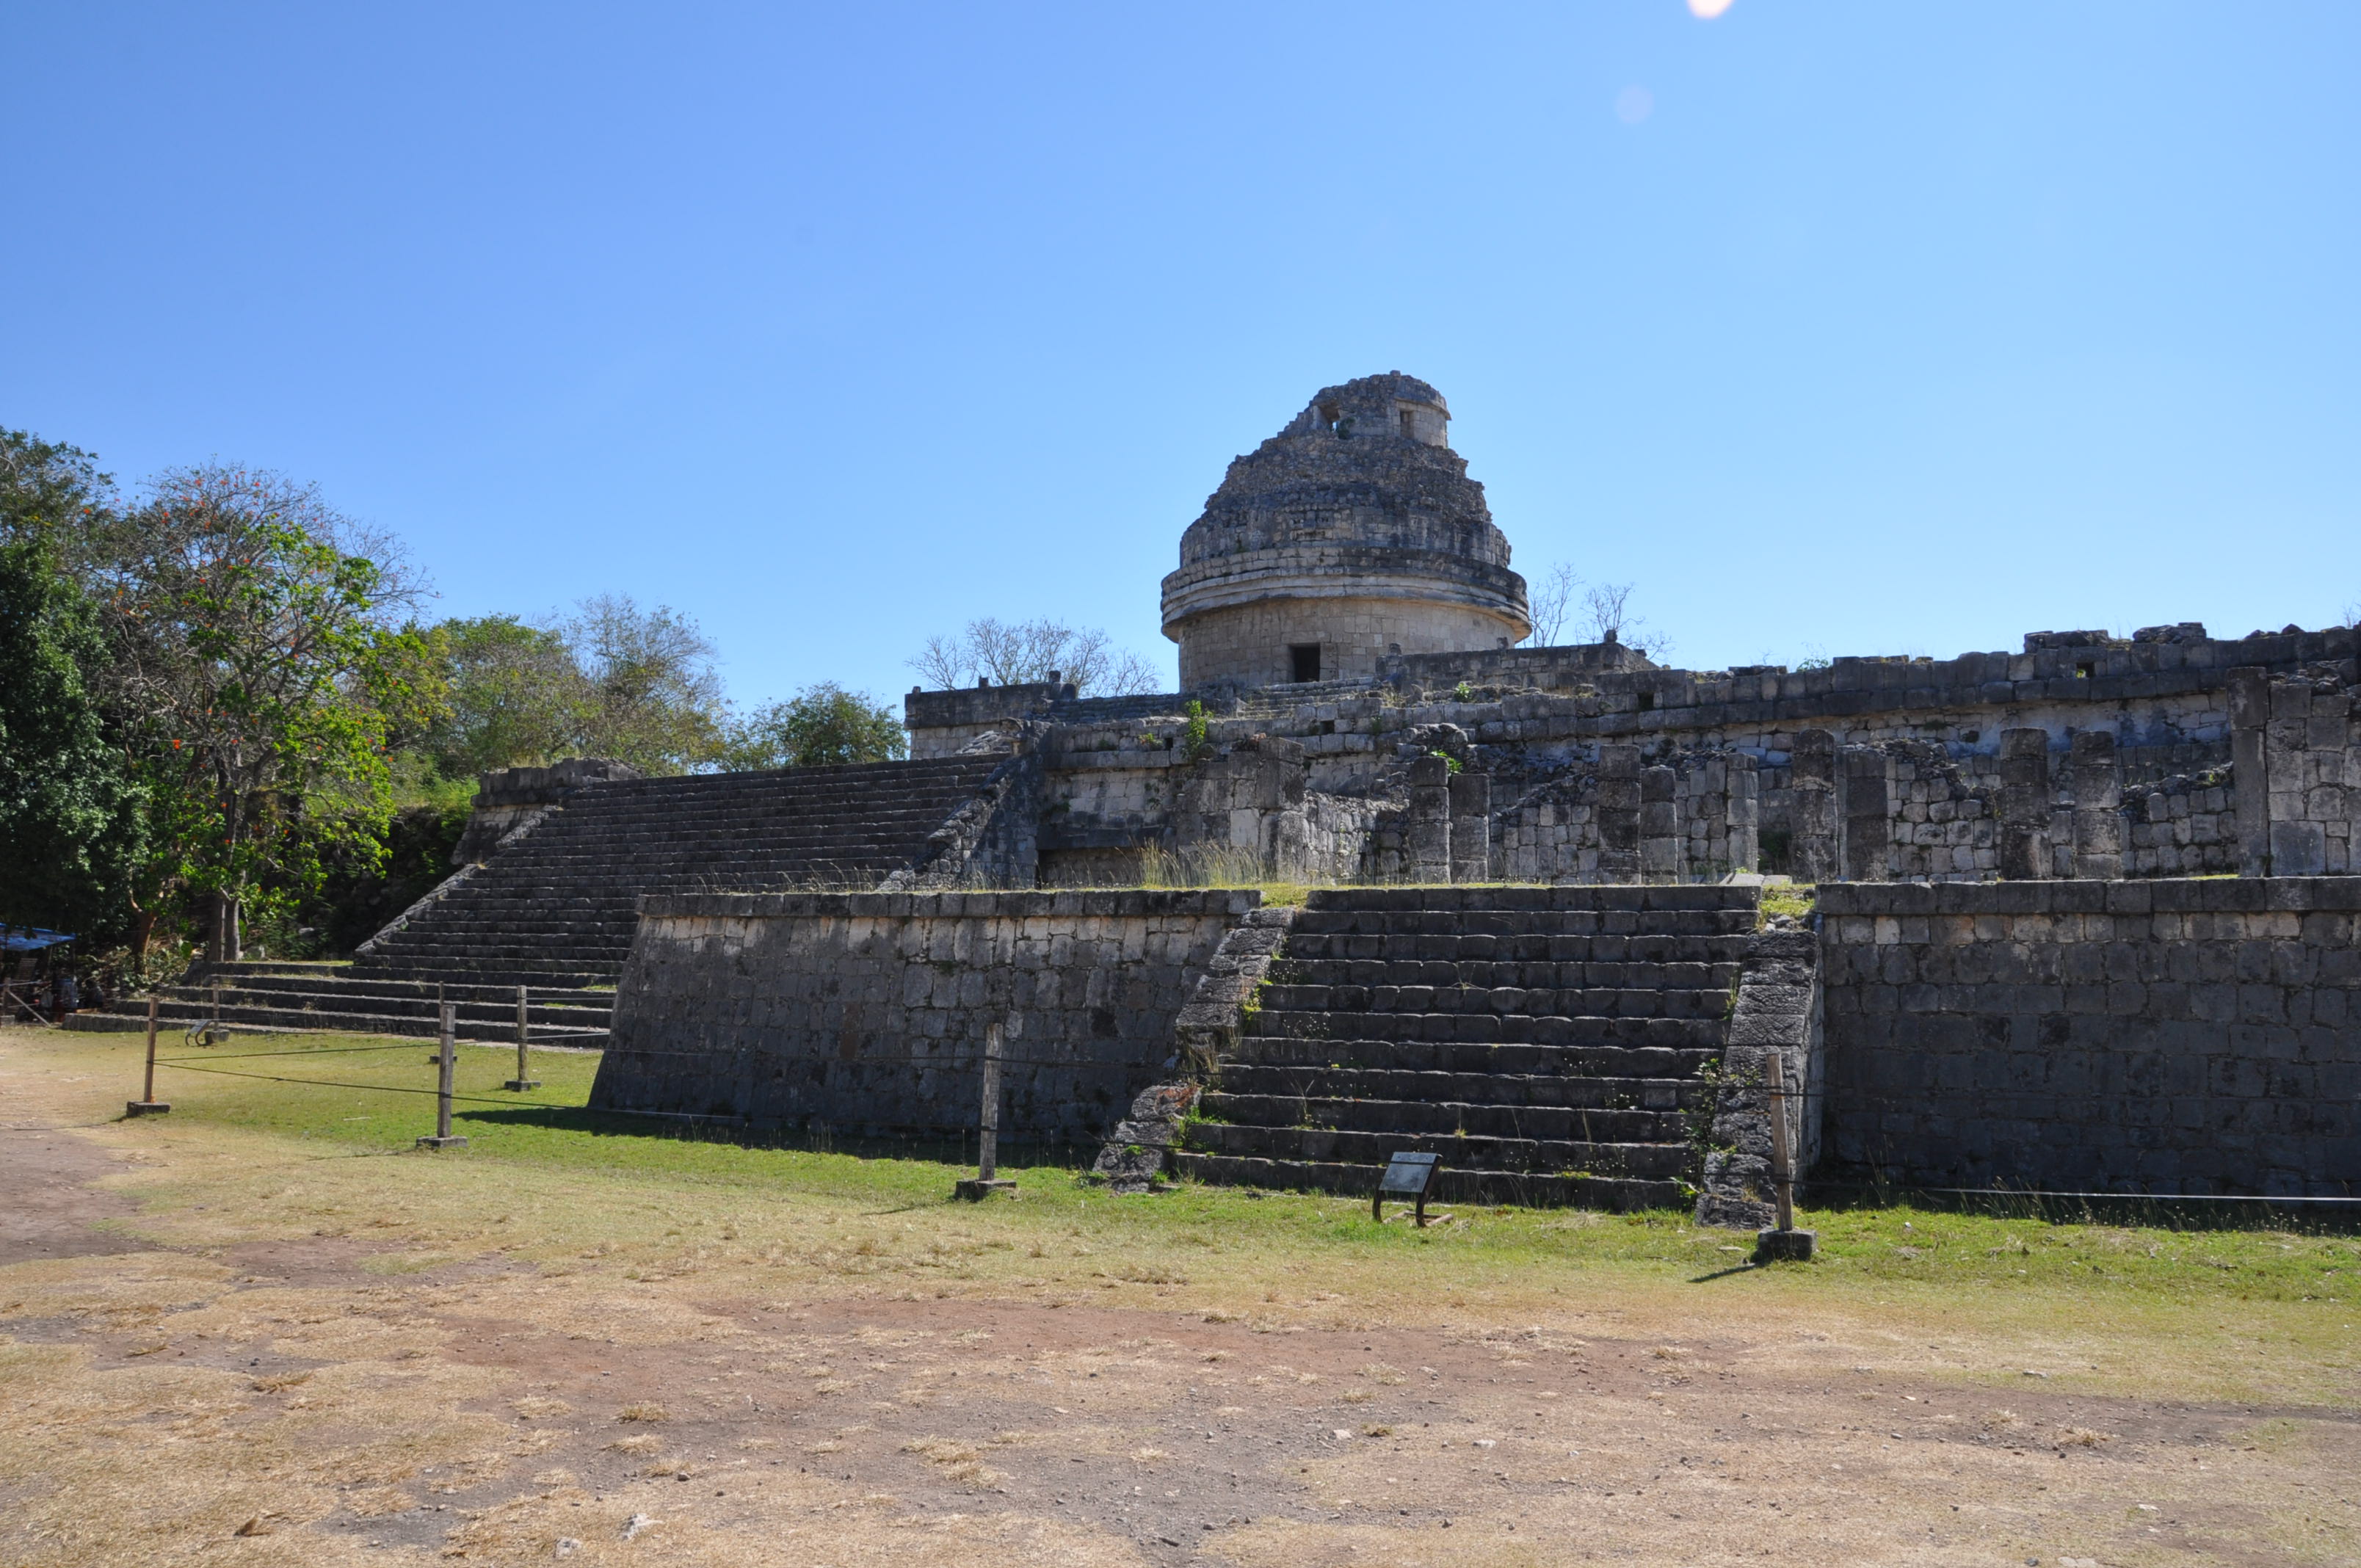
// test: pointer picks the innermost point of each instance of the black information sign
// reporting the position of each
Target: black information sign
(1406, 1176)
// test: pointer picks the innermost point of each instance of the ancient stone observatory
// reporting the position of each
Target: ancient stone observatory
(1352, 534)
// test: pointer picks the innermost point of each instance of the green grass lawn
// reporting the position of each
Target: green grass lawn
(372, 1097)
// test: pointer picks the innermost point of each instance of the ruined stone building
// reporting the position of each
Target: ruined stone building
(2089, 910)
(1348, 618)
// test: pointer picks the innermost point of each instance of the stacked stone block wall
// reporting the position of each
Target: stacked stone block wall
(2139, 1036)
(865, 1012)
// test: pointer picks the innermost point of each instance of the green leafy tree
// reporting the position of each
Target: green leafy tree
(819, 726)
(260, 676)
(69, 809)
(517, 696)
(652, 697)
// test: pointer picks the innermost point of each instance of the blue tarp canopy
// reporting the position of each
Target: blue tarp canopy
(31, 938)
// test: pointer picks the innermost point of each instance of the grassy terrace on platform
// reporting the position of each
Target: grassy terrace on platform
(1864, 1246)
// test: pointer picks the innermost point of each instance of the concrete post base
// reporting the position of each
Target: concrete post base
(522, 1083)
(146, 1107)
(452, 1142)
(1784, 1247)
(975, 1191)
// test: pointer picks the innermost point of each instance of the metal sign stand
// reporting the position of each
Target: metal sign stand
(986, 1181)
(1406, 1175)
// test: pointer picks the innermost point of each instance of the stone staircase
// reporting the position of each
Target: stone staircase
(559, 906)
(555, 909)
(1283, 701)
(270, 997)
(1550, 1043)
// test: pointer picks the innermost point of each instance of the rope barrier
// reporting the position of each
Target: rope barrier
(402, 1089)
(314, 1051)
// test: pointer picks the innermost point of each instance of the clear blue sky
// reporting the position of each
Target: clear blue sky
(1838, 327)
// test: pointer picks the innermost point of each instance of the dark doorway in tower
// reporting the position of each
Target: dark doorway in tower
(1307, 660)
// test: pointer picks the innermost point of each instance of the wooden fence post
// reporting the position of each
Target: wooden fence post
(147, 1104)
(445, 1063)
(523, 1079)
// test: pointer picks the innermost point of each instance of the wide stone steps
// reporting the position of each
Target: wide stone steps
(1591, 1091)
(563, 897)
(263, 997)
(1603, 1056)
(1530, 1157)
(1536, 924)
(1486, 1028)
(401, 993)
(1634, 998)
(1446, 1118)
(1309, 958)
(1550, 1044)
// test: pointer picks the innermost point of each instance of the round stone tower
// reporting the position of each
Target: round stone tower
(1353, 533)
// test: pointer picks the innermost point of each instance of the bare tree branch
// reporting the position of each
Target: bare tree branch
(1014, 654)
(1550, 600)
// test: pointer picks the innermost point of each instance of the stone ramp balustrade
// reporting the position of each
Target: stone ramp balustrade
(1550, 1043)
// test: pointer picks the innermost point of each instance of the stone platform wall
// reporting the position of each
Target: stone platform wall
(2167, 1036)
(865, 1012)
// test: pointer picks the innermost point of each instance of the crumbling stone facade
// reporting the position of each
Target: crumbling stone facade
(1354, 539)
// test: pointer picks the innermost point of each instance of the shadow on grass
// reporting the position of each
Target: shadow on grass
(934, 1148)
(2131, 1211)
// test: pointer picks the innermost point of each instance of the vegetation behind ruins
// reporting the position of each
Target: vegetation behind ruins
(226, 712)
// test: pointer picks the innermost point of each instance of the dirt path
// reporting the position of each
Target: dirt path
(48, 1206)
(327, 1399)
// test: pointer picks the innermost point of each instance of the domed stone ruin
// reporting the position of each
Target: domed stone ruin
(1353, 533)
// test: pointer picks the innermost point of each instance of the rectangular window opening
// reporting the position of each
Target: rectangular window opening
(1307, 661)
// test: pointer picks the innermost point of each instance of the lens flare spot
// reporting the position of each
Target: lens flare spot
(1706, 10)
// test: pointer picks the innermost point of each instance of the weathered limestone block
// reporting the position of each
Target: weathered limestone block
(2098, 806)
(1778, 1008)
(1660, 826)
(1618, 813)
(1868, 805)
(2250, 711)
(1813, 777)
(2024, 805)
(505, 797)
(1429, 848)
(1471, 825)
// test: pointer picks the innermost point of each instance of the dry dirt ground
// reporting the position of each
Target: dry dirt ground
(225, 1348)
